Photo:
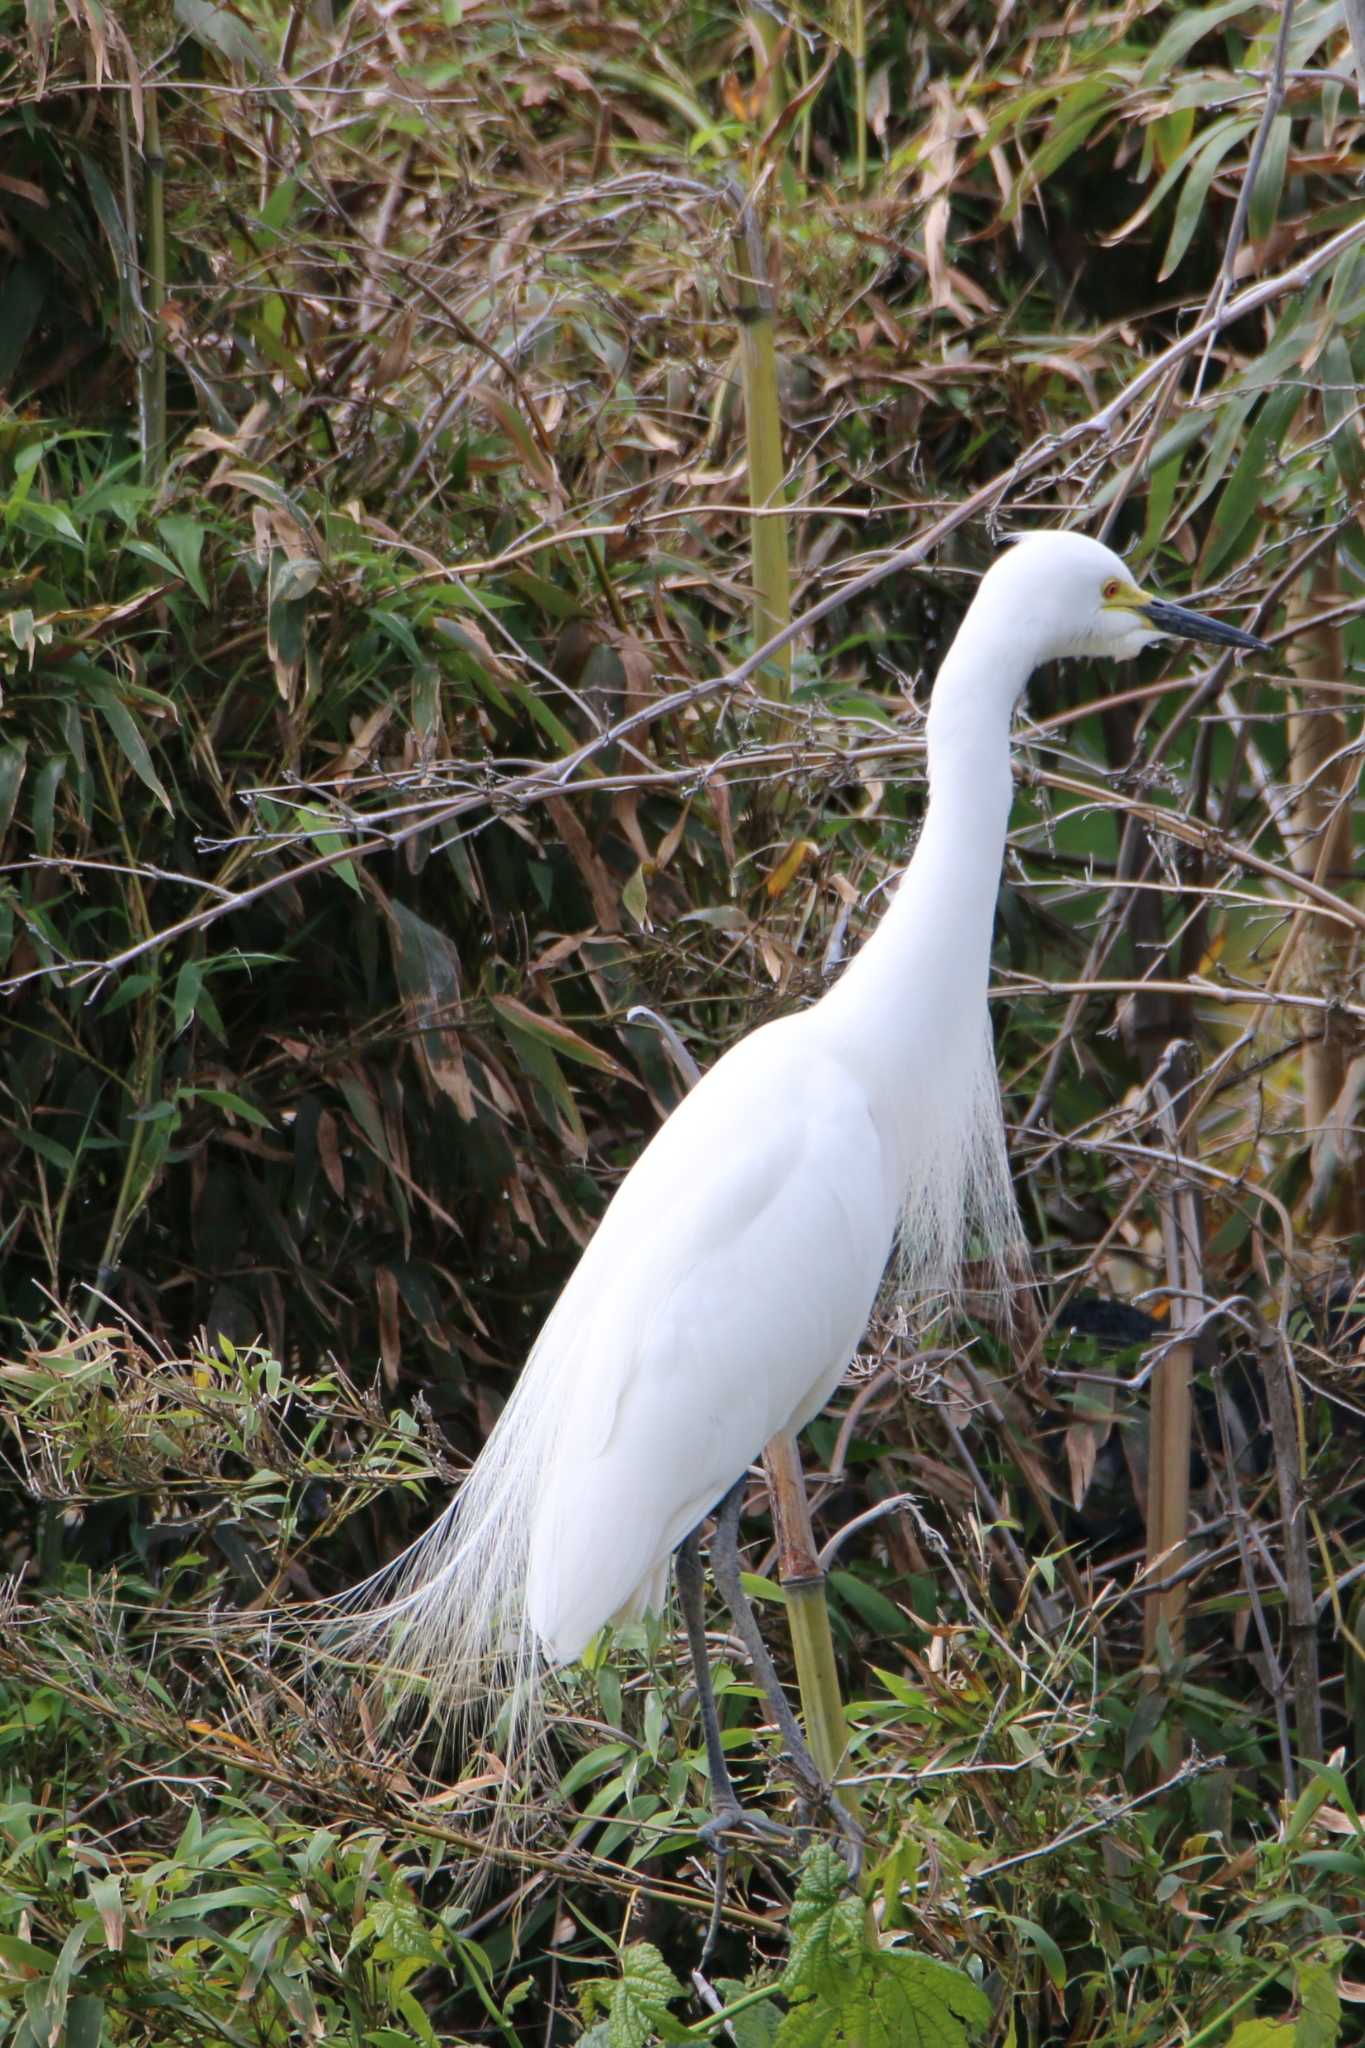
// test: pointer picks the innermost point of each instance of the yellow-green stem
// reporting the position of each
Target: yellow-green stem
(817, 1675)
(1172, 1395)
(803, 1583)
(154, 299)
(860, 88)
(767, 469)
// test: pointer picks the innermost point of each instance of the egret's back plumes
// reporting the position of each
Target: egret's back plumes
(445, 1625)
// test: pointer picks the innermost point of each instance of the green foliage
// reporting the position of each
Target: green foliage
(329, 884)
(636, 2005)
(326, 1937)
(839, 1986)
(843, 1989)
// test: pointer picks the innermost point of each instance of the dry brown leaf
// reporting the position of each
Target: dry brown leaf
(329, 1153)
(938, 160)
(386, 1303)
(364, 733)
(1084, 1441)
(600, 885)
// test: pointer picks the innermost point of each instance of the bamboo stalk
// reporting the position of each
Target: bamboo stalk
(802, 1580)
(1172, 1395)
(153, 366)
(1322, 772)
(1286, 1432)
(803, 1583)
(755, 312)
(859, 50)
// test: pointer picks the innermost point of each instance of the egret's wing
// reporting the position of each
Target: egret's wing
(719, 1302)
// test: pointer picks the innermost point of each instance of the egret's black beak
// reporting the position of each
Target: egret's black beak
(1187, 625)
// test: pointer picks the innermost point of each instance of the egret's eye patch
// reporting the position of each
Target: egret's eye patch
(1113, 590)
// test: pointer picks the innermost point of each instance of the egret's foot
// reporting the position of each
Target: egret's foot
(852, 1836)
(819, 1802)
(730, 1818)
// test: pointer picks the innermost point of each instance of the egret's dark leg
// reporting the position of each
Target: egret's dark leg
(727, 1815)
(688, 1572)
(725, 1566)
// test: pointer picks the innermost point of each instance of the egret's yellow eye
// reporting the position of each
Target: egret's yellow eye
(1113, 590)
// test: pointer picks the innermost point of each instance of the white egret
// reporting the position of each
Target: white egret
(733, 1273)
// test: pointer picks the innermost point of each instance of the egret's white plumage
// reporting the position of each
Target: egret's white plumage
(734, 1272)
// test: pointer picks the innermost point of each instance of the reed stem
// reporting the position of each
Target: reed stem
(755, 311)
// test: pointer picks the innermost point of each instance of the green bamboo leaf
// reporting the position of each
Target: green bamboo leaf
(188, 983)
(13, 761)
(1078, 113)
(536, 1059)
(1174, 171)
(185, 539)
(84, 2022)
(226, 1098)
(1038, 1939)
(132, 746)
(880, 1614)
(1265, 193)
(224, 32)
(557, 1036)
(1237, 507)
(42, 809)
(1160, 498)
(1189, 27)
(1225, 441)
(592, 1766)
(1340, 407)
(1195, 191)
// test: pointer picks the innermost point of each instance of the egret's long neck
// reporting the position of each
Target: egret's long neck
(912, 1001)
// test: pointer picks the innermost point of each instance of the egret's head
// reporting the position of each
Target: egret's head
(1073, 596)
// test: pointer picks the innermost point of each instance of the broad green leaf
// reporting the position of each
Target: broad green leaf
(894, 1999)
(826, 1926)
(1319, 2021)
(46, 1148)
(26, 1956)
(754, 2025)
(185, 539)
(324, 836)
(1160, 498)
(84, 2022)
(592, 1766)
(637, 2009)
